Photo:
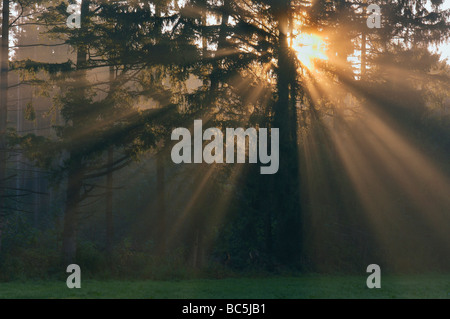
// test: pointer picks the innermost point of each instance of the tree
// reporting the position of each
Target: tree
(111, 121)
(3, 109)
(4, 71)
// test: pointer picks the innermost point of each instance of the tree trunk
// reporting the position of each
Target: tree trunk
(363, 54)
(268, 230)
(204, 39)
(286, 181)
(282, 105)
(109, 218)
(74, 185)
(197, 260)
(221, 44)
(3, 110)
(75, 174)
(161, 202)
(109, 203)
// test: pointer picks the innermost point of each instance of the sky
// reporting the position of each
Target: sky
(444, 49)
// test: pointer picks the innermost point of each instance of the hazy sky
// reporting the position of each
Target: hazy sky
(444, 49)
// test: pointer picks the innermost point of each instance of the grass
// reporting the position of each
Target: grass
(300, 287)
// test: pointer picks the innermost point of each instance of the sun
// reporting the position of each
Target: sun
(309, 47)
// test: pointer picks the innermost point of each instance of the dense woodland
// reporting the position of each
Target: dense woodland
(86, 116)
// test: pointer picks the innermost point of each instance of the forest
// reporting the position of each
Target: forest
(93, 91)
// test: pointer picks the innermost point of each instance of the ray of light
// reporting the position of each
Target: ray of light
(389, 174)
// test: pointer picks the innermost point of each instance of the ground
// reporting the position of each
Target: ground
(299, 287)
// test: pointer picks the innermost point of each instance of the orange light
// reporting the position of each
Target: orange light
(308, 48)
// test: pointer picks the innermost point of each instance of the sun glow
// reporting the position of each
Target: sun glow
(309, 47)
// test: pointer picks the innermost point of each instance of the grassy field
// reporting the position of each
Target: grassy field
(301, 287)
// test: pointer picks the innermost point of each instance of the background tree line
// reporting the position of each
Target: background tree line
(364, 137)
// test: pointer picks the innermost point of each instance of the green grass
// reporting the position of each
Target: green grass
(301, 287)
